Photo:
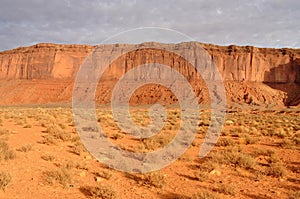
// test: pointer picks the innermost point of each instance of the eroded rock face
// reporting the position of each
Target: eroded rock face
(251, 75)
(42, 61)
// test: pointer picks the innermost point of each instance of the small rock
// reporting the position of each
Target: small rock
(88, 157)
(98, 179)
(82, 174)
(213, 172)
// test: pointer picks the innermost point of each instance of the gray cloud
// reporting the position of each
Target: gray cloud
(266, 23)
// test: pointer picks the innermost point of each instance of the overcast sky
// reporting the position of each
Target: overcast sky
(264, 23)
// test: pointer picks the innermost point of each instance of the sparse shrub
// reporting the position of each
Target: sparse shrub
(276, 169)
(263, 152)
(234, 156)
(204, 195)
(250, 140)
(27, 126)
(155, 179)
(105, 174)
(61, 176)
(201, 176)
(226, 189)
(3, 131)
(246, 161)
(48, 157)
(78, 148)
(58, 133)
(280, 132)
(294, 195)
(25, 148)
(5, 152)
(286, 143)
(5, 179)
(116, 136)
(225, 142)
(100, 191)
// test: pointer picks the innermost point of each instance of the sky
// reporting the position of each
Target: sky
(262, 23)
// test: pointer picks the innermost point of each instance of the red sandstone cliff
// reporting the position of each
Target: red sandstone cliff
(45, 72)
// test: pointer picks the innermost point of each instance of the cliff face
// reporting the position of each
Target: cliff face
(246, 71)
(51, 61)
(42, 61)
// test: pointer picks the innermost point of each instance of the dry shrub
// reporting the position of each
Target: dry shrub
(25, 148)
(276, 169)
(225, 142)
(61, 176)
(226, 189)
(294, 195)
(48, 157)
(5, 152)
(205, 195)
(78, 148)
(100, 191)
(201, 176)
(235, 157)
(155, 179)
(3, 131)
(105, 174)
(5, 179)
(57, 132)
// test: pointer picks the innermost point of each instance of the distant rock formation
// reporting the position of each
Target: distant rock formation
(45, 73)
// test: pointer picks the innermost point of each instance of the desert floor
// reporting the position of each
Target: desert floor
(257, 156)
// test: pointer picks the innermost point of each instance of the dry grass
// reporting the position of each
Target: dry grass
(5, 179)
(155, 179)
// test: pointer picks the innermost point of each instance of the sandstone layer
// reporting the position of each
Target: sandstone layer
(45, 73)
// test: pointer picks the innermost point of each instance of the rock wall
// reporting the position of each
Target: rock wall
(51, 61)
(45, 73)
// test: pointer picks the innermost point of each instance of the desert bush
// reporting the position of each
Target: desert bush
(226, 189)
(105, 174)
(27, 126)
(5, 152)
(201, 176)
(48, 157)
(225, 142)
(235, 157)
(5, 179)
(100, 191)
(25, 148)
(204, 195)
(294, 194)
(155, 179)
(250, 140)
(61, 176)
(3, 131)
(78, 148)
(280, 132)
(276, 169)
(286, 143)
(58, 133)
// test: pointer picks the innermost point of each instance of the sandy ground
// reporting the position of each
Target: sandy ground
(257, 156)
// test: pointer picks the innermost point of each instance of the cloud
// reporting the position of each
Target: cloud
(266, 23)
